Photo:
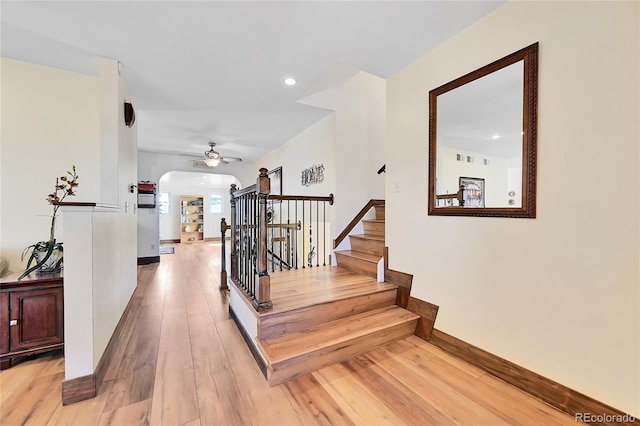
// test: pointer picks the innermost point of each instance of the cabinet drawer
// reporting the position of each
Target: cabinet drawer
(38, 316)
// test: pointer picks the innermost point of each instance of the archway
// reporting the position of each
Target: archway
(212, 188)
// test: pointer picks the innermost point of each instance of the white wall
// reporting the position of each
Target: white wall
(357, 143)
(558, 294)
(315, 145)
(100, 257)
(115, 263)
(496, 175)
(50, 120)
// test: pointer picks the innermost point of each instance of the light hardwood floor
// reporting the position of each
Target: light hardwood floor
(183, 362)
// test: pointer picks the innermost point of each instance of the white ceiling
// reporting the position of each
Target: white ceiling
(211, 70)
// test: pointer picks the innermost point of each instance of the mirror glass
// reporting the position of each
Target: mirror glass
(482, 140)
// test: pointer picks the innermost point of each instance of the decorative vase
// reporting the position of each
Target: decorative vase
(4, 266)
(45, 257)
(53, 263)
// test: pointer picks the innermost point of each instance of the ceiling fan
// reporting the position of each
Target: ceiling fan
(212, 158)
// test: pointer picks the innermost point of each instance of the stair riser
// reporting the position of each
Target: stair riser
(357, 265)
(286, 322)
(290, 369)
(368, 246)
(379, 212)
(373, 228)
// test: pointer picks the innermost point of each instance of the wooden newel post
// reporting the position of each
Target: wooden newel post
(263, 289)
(234, 223)
(223, 263)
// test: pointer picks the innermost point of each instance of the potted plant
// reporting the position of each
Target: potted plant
(47, 255)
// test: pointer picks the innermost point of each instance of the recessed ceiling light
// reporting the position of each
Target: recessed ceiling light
(289, 80)
(495, 137)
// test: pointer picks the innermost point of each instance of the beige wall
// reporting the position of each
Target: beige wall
(50, 120)
(314, 145)
(558, 294)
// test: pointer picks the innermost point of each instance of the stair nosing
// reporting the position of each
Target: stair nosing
(371, 237)
(367, 258)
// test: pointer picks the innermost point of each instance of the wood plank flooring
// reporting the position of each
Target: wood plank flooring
(183, 362)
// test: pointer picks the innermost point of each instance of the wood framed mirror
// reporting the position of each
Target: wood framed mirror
(482, 140)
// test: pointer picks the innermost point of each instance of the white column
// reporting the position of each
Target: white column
(79, 248)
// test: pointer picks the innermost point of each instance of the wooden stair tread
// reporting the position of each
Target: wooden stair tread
(368, 257)
(292, 345)
(373, 220)
(368, 237)
(297, 289)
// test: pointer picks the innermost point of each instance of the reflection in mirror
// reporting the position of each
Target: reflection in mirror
(482, 140)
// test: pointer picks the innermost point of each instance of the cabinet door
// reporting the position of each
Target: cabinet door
(4, 323)
(39, 315)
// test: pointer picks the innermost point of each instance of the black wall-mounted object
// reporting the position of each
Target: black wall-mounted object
(383, 169)
(146, 195)
(129, 114)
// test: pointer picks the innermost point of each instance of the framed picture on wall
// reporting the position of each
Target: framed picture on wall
(276, 180)
(473, 193)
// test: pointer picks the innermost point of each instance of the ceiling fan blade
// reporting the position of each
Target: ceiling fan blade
(230, 159)
(191, 155)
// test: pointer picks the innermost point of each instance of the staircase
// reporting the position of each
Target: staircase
(330, 314)
(366, 249)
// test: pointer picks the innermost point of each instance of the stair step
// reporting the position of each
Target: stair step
(373, 227)
(379, 212)
(294, 354)
(358, 261)
(367, 243)
(278, 323)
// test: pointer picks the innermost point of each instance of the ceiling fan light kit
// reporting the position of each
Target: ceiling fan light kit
(211, 157)
(212, 162)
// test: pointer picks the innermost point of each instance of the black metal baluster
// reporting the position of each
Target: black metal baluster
(303, 256)
(298, 227)
(280, 234)
(288, 244)
(271, 230)
(324, 233)
(254, 249)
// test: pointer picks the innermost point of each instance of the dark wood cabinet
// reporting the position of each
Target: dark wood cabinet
(31, 316)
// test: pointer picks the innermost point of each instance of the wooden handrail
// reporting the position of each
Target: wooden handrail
(302, 198)
(252, 188)
(355, 221)
(247, 190)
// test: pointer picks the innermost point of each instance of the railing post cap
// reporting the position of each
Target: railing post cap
(263, 171)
